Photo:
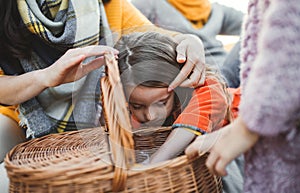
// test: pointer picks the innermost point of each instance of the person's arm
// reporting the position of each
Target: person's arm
(175, 144)
(17, 89)
(206, 111)
(224, 145)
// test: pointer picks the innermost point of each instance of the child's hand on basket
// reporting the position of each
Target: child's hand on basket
(224, 145)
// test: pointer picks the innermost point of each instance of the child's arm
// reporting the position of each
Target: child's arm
(176, 142)
(205, 112)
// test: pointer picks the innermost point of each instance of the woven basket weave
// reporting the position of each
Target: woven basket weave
(104, 159)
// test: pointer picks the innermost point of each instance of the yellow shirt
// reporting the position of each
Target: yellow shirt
(10, 111)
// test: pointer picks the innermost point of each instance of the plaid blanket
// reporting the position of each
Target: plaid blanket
(63, 24)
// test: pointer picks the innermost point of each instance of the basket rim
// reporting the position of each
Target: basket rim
(136, 167)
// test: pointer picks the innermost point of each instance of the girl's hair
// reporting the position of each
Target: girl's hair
(149, 59)
(145, 57)
(14, 41)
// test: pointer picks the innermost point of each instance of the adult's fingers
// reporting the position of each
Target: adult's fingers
(211, 161)
(73, 61)
(93, 64)
(181, 79)
(220, 167)
(192, 150)
(195, 79)
(202, 144)
(197, 76)
(202, 78)
(97, 62)
(187, 68)
(189, 52)
(91, 51)
(181, 52)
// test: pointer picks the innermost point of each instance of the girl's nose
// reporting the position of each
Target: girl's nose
(150, 114)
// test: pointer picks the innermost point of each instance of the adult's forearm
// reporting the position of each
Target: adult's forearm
(17, 89)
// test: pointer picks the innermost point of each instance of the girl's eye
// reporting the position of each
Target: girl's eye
(135, 106)
(161, 103)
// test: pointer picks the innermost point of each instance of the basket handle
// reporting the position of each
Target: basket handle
(117, 122)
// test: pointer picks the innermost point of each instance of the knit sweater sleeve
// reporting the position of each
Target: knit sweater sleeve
(124, 17)
(140, 15)
(132, 17)
(270, 102)
(133, 20)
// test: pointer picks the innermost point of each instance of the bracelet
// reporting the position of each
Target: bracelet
(193, 129)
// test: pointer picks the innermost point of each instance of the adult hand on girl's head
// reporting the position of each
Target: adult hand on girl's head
(190, 51)
(224, 145)
(70, 68)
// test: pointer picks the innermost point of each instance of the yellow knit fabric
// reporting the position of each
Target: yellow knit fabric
(123, 17)
(10, 111)
(196, 11)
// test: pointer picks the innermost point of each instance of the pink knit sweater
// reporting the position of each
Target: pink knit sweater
(270, 102)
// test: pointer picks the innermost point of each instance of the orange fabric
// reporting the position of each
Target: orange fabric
(207, 107)
(10, 111)
(196, 11)
(236, 92)
(122, 16)
(236, 98)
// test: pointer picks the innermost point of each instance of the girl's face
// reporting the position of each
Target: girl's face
(150, 106)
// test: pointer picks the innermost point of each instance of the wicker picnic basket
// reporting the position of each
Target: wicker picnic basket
(105, 159)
